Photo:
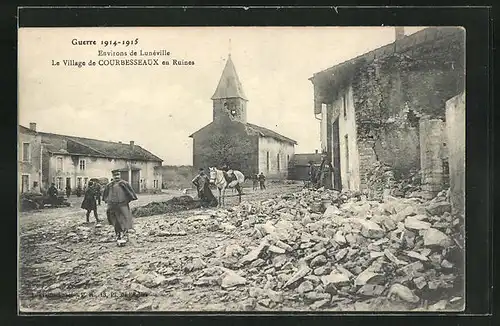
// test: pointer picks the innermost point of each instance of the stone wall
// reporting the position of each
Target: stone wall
(226, 142)
(432, 155)
(455, 129)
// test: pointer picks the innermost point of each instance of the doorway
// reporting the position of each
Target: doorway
(25, 183)
(68, 182)
(337, 182)
(135, 181)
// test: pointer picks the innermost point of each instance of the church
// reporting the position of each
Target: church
(230, 140)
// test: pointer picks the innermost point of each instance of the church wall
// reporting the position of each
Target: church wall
(275, 150)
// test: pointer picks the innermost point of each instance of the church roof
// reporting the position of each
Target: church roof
(261, 131)
(229, 84)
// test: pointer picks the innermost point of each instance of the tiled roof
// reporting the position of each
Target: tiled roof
(405, 44)
(269, 133)
(304, 159)
(261, 131)
(63, 144)
(229, 84)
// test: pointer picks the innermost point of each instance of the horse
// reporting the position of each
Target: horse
(217, 178)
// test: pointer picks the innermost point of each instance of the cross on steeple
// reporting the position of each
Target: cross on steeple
(229, 53)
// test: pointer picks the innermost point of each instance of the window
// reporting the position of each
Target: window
(26, 152)
(267, 161)
(59, 183)
(155, 184)
(59, 164)
(82, 164)
(278, 161)
(79, 182)
(85, 181)
(347, 152)
(344, 104)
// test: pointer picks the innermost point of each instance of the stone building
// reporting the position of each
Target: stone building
(371, 106)
(69, 160)
(230, 139)
(29, 149)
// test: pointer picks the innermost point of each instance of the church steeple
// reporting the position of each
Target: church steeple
(229, 99)
(229, 84)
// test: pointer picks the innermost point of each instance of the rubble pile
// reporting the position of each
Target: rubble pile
(382, 179)
(173, 205)
(329, 250)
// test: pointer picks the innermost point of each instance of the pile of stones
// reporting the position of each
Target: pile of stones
(330, 250)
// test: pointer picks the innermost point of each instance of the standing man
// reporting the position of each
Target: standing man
(118, 194)
(201, 182)
(97, 192)
(325, 172)
(52, 192)
(255, 181)
(262, 180)
(68, 190)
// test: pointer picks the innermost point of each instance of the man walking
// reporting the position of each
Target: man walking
(118, 194)
(89, 203)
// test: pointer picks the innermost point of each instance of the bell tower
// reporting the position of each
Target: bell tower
(229, 100)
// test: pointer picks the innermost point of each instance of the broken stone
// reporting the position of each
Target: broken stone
(341, 254)
(371, 290)
(232, 279)
(318, 261)
(402, 292)
(314, 254)
(411, 270)
(369, 229)
(375, 254)
(319, 304)
(298, 275)
(255, 253)
(304, 287)
(339, 238)
(276, 250)
(321, 271)
(440, 305)
(335, 278)
(446, 264)
(412, 223)
(420, 282)
(331, 211)
(416, 255)
(433, 237)
(438, 208)
(369, 277)
(393, 258)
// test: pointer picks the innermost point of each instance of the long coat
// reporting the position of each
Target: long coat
(89, 201)
(325, 175)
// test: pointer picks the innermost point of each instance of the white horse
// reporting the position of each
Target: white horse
(217, 178)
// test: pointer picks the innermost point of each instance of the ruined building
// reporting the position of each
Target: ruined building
(389, 106)
(230, 139)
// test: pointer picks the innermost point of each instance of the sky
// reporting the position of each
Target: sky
(158, 107)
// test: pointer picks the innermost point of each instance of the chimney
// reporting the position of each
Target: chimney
(33, 126)
(400, 32)
(316, 152)
(132, 143)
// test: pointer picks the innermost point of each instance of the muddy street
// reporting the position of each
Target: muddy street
(69, 265)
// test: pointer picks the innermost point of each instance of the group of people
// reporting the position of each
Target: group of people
(259, 180)
(117, 195)
(322, 176)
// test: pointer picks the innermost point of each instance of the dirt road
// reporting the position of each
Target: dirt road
(68, 265)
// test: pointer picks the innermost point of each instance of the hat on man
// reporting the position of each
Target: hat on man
(116, 173)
